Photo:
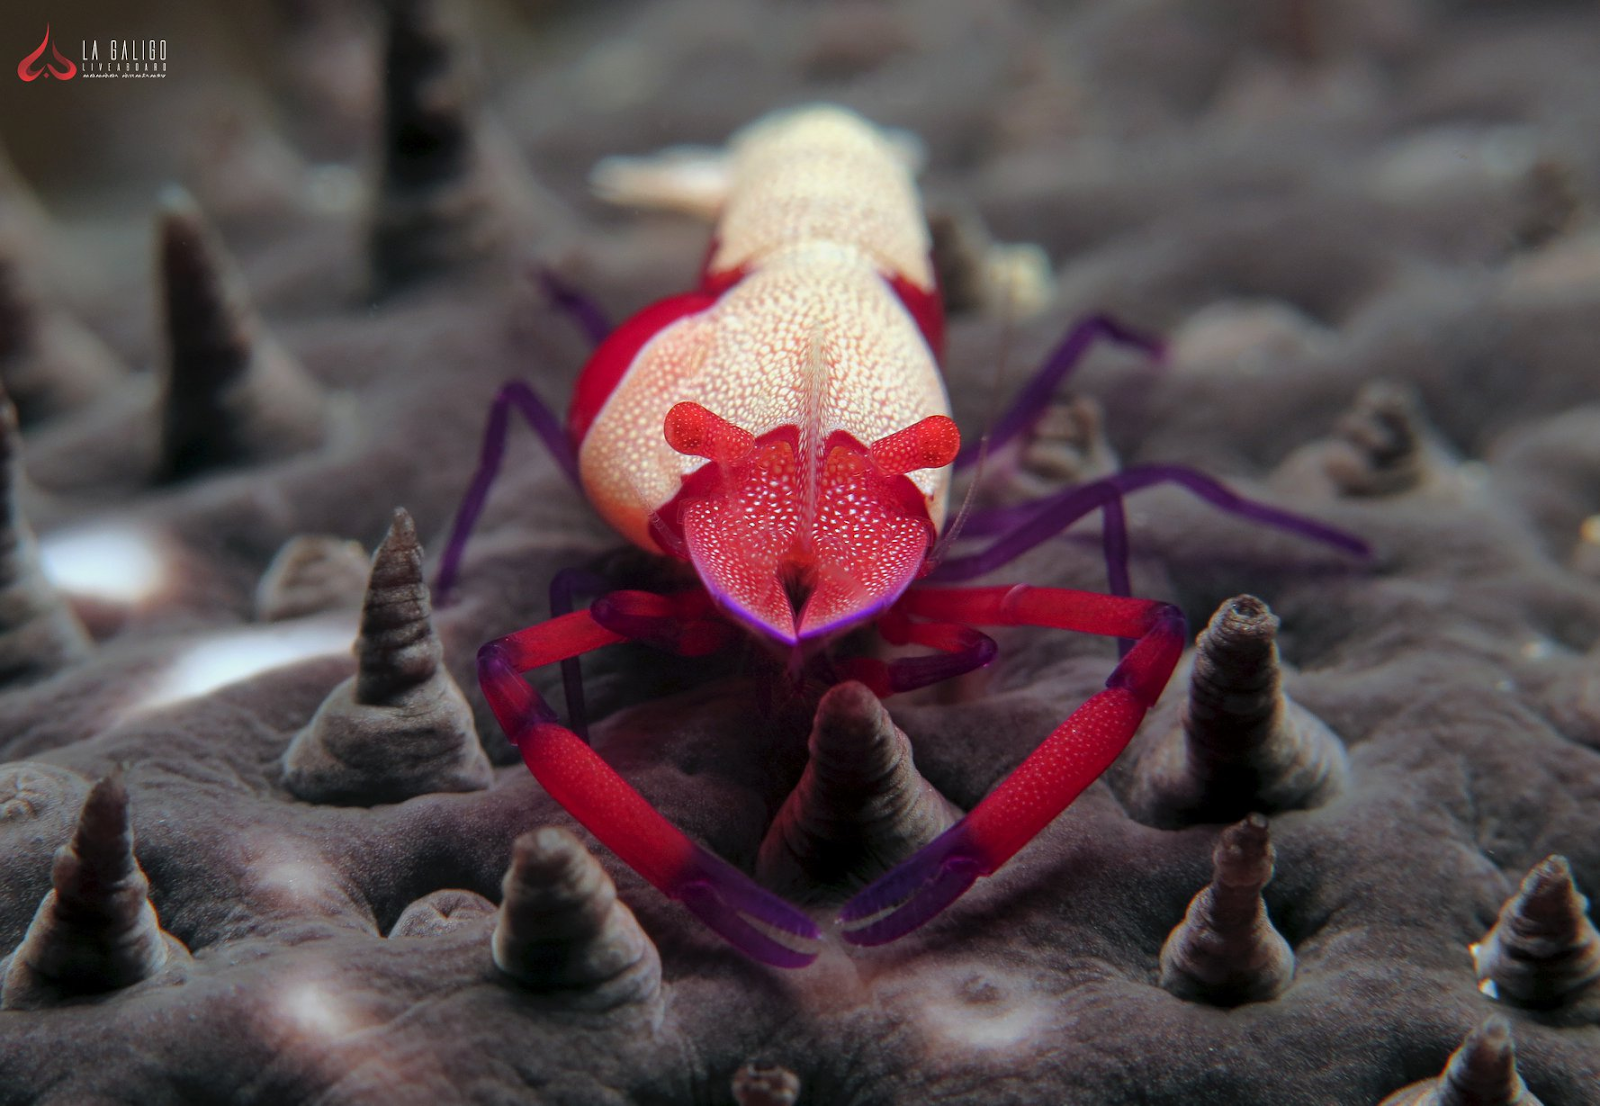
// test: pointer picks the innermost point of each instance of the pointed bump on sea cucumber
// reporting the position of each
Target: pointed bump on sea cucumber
(563, 932)
(1543, 953)
(39, 634)
(400, 727)
(859, 809)
(312, 574)
(765, 1086)
(431, 210)
(96, 930)
(976, 273)
(1225, 951)
(1380, 445)
(441, 912)
(1482, 1072)
(1067, 445)
(1242, 745)
(49, 362)
(230, 394)
(398, 649)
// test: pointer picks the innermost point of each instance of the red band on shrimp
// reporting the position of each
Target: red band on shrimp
(926, 308)
(616, 355)
(714, 282)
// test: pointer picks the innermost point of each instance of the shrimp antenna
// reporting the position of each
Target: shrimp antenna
(670, 543)
(952, 530)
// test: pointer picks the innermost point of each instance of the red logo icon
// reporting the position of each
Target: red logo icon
(33, 66)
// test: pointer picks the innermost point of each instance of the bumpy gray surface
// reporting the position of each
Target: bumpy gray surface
(1305, 197)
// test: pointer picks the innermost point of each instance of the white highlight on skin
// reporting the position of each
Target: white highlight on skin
(293, 880)
(314, 1012)
(981, 1010)
(1485, 985)
(288, 873)
(225, 658)
(119, 563)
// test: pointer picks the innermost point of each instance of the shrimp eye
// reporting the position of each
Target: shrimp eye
(930, 444)
(693, 430)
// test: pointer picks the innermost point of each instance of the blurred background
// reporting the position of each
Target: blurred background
(1006, 75)
(1320, 154)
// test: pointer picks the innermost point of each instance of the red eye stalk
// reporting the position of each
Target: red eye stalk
(693, 430)
(930, 444)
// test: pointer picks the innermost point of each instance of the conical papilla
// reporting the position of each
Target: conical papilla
(1242, 744)
(230, 394)
(432, 211)
(50, 364)
(860, 807)
(563, 932)
(1543, 952)
(96, 930)
(400, 726)
(312, 574)
(39, 633)
(1226, 951)
(1482, 1072)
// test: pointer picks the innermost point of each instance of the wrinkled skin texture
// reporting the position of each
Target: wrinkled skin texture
(1362, 167)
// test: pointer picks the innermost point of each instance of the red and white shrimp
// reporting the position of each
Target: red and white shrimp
(804, 464)
(784, 429)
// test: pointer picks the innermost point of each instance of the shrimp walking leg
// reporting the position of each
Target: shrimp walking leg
(564, 589)
(960, 649)
(1035, 395)
(723, 897)
(512, 396)
(1023, 527)
(1053, 775)
(573, 302)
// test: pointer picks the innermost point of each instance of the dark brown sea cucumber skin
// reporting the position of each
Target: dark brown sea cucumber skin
(1368, 167)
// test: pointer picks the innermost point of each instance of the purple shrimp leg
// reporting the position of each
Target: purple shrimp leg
(564, 588)
(578, 306)
(1030, 524)
(961, 649)
(512, 395)
(545, 423)
(1030, 402)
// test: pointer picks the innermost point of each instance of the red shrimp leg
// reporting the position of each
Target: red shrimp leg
(1040, 788)
(575, 776)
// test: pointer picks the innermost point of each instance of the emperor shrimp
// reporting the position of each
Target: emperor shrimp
(784, 430)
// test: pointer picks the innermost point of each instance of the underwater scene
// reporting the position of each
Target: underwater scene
(823, 552)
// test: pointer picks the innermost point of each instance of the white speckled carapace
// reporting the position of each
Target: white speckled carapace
(812, 337)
